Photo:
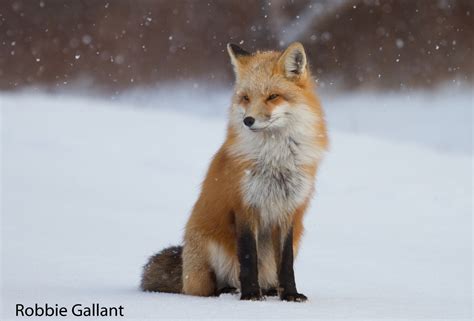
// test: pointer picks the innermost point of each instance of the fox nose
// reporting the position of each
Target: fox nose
(248, 121)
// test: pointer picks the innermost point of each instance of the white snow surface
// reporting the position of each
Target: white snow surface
(92, 187)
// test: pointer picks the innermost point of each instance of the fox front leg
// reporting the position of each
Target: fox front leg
(248, 260)
(286, 275)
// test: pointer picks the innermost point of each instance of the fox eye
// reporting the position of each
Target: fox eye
(245, 98)
(273, 96)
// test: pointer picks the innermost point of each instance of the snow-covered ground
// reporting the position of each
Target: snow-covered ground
(91, 188)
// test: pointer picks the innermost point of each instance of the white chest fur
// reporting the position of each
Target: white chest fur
(277, 185)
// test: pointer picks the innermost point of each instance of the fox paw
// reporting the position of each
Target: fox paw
(227, 290)
(253, 296)
(270, 292)
(293, 297)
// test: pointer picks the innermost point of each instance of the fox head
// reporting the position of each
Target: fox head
(274, 91)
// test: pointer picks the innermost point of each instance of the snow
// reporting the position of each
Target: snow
(92, 187)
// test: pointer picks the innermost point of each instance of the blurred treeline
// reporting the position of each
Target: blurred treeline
(118, 44)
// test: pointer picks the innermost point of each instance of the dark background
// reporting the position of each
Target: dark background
(121, 44)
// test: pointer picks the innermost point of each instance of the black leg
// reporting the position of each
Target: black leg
(286, 275)
(247, 252)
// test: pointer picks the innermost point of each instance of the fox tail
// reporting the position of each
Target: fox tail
(163, 272)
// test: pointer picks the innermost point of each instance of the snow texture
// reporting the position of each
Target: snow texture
(92, 187)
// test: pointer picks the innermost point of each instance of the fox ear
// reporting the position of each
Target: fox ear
(236, 53)
(293, 61)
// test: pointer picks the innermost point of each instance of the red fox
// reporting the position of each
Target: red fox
(245, 228)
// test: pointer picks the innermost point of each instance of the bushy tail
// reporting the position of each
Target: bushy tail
(163, 272)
